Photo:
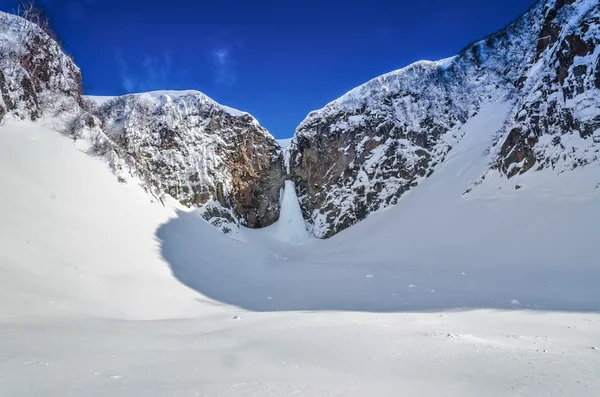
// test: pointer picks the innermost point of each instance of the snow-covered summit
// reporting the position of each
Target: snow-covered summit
(187, 97)
(200, 96)
(378, 87)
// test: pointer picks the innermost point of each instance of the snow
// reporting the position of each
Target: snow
(176, 146)
(100, 99)
(291, 227)
(477, 292)
(183, 93)
(105, 293)
(57, 95)
(285, 147)
(417, 111)
(174, 94)
(68, 227)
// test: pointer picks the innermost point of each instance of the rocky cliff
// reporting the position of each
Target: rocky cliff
(556, 119)
(35, 74)
(200, 152)
(363, 151)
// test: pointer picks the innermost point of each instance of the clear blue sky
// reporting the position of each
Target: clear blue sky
(275, 59)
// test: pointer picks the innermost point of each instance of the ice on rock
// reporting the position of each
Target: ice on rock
(291, 227)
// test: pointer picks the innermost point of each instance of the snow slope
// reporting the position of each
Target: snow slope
(75, 240)
(511, 244)
(97, 287)
(285, 142)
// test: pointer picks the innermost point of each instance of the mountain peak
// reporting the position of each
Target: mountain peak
(365, 150)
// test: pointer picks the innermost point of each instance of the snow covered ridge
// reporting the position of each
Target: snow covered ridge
(363, 151)
(181, 95)
(202, 153)
(36, 77)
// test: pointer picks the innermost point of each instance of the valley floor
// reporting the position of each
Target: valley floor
(474, 353)
(106, 293)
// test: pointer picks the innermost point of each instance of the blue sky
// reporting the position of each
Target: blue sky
(275, 59)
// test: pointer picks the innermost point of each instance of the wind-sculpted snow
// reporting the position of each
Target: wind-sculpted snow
(363, 151)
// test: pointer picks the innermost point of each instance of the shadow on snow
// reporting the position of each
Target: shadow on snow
(264, 275)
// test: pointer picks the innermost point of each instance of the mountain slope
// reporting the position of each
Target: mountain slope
(75, 241)
(361, 152)
(365, 150)
(184, 144)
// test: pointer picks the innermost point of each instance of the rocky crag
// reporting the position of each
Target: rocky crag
(363, 151)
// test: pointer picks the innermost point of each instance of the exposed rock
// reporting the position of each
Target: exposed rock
(517, 153)
(551, 28)
(561, 99)
(190, 147)
(179, 143)
(35, 74)
(363, 151)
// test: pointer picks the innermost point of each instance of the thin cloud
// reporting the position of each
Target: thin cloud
(224, 65)
(222, 56)
(126, 81)
(152, 73)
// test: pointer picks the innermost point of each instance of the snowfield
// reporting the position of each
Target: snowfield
(452, 292)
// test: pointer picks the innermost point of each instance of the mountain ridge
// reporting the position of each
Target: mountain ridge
(361, 152)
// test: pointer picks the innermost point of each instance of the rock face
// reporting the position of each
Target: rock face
(35, 75)
(187, 145)
(557, 115)
(364, 150)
